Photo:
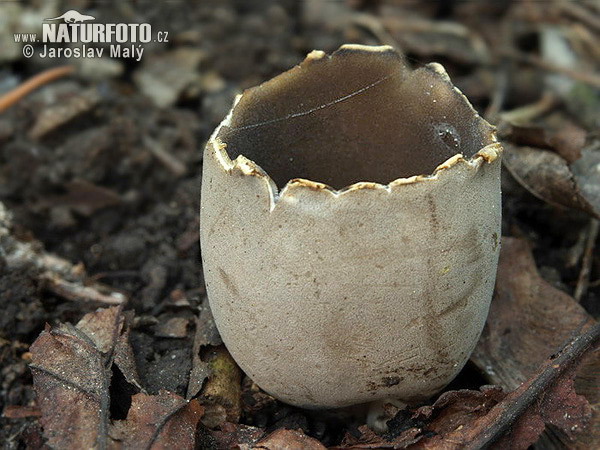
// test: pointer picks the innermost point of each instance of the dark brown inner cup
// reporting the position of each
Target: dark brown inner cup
(359, 115)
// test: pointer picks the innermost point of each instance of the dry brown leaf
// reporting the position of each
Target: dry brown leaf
(453, 410)
(548, 176)
(515, 422)
(553, 161)
(84, 197)
(124, 358)
(558, 405)
(428, 38)
(368, 439)
(529, 319)
(456, 408)
(102, 327)
(206, 335)
(586, 171)
(563, 408)
(71, 380)
(235, 435)
(115, 340)
(283, 439)
(163, 421)
(71, 369)
(567, 140)
(58, 114)
(587, 383)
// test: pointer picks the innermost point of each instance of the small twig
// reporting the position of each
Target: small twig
(76, 291)
(21, 412)
(508, 411)
(583, 281)
(176, 167)
(576, 251)
(585, 77)
(527, 113)
(13, 96)
(502, 76)
(18, 432)
(580, 13)
(56, 274)
(377, 29)
(498, 96)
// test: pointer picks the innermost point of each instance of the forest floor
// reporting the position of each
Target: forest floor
(100, 174)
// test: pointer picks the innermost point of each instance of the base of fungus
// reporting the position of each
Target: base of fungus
(377, 416)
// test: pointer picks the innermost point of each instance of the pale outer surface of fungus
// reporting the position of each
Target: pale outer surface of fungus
(328, 298)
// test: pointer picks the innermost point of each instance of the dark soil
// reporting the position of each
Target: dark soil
(139, 234)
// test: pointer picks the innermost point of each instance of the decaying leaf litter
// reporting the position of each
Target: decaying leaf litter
(100, 280)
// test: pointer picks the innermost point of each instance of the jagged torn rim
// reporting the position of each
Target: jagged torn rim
(245, 166)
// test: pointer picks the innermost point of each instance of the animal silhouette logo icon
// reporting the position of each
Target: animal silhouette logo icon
(72, 16)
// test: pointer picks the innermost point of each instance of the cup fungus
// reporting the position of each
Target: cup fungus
(349, 227)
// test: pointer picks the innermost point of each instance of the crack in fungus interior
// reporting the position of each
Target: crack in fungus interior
(357, 115)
